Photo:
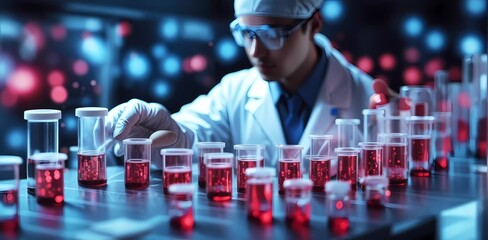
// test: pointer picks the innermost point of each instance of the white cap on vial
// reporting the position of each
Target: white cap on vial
(42, 114)
(298, 183)
(181, 188)
(375, 181)
(261, 172)
(91, 112)
(200, 145)
(338, 188)
(344, 121)
(10, 160)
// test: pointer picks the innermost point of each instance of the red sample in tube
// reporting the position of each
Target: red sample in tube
(8, 216)
(32, 171)
(137, 173)
(242, 165)
(419, 152)
(202, 181)
(338, 225)
(260, 201)
(176, 174)
(396, 163)
(183, 221)
(347, 169)
(481, 139)
(49, 185)
(92, 170)
(288, 169)
(462, 131)
(298, 212)
(219, 181)
(372, 162)
(319, 173)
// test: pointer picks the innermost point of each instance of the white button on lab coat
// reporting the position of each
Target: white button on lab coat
(240, 110)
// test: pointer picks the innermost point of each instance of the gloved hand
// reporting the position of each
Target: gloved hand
(139, 119)
(383, 94)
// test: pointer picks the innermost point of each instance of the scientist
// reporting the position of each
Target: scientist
(298, 85)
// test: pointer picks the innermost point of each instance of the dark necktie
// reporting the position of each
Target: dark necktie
(294, 121)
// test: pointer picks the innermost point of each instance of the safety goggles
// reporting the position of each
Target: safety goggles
(272, 37)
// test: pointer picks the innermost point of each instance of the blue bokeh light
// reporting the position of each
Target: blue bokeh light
(332, 10)
(169, 29)
(470, 44)
(137, 65)
(16, 139)
(70, 124)
(475, 7)
(226, 50)
(413, 26)
(159, 51)
(6, 67)
(171, 66)
(161, 89)
(94, 49)
(435, 40)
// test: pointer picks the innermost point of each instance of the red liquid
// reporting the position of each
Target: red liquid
(178, 174)
(338, 225)
(441, 164)
(181, 212)
(219, 181)
(50, 184)
(288, 169)
(137, 173)
(396, 163)
(297, 207)
(419, 151)
(481, 139)
(8, 209)
(260, 200)
(242, 165)
(372, 162)
(183, 222)
(374, 199)
(92, 170)
(347, 169)
(319, 174)
(462, 131)
(202, 180)
(31, 174)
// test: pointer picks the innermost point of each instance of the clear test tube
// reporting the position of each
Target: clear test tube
(395, 161)
(319, 161)
(371, 160)
(337, 205)
(219, 176)
(9, 193)
(421, 99)
(259, 194)
(479, 121)
(247, 156)
(442, 137)
(42, 137)
(202, 149)
(176, 166)
(137, 160)
(375, 189)
(442, 102)
(289, 164)
(372, 124)
(347, 165)
(347, 132)
(298, 201)
(92, 165)
(394, 124)
(420, 134)
(181, 212)
(50, 178)
(461, 104)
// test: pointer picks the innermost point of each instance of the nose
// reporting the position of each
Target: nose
(257, 48)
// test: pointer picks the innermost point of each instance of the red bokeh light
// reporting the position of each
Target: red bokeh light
(464, 100)
(80, 67)
(411, 55)
(433, 66)
(58, 32)
(365, 63)
(22, 81)
(34, 30)
(387, 61)
(198, 63)
(8, 98)
(124, 28)
(455, 74)
(186, 65)
(59, 94)
(55, 78)
(412, 76)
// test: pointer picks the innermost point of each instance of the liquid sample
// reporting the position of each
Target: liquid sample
(372, 162)
(219, 181)
(242, 165)
(374, 199)
(260, 200)
(395, 159)
(9, 201)
(288, 169)
(92, 170)
(176, 174)
(347, 169)
(319, 173)
(202, 180)
(420, 155)
(297, 209)
(50, 184)
(338, 225)
(181, 212)
(137, 173)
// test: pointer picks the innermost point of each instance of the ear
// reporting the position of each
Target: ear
(316, 23)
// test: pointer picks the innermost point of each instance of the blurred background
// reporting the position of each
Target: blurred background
(64, 54)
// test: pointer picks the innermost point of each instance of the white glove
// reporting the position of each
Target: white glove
(139, 119)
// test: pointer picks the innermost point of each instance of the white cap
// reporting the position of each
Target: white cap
(176, 152)
(210, 145)
(137, 141)
(49, 156)
(375, 181)
(181, 188)
(10, 160)
(248, 147)
(298, 183)
(339, 188)
(347, 121)
(260, 172)
(91, 112)
(296, 9)
(42, 114)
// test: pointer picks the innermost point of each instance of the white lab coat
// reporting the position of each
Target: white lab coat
(239, 110)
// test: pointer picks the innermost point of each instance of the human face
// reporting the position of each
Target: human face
(283, 62)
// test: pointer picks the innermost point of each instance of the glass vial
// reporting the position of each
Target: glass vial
(289, 164)
(202, 149)
(181, 210)
(9, 193)
(247, 156)
(219, 176)
(372, 124)
(347, 132)
(176, 166)
(137, 161)
(259, 194)
(50, 178)
(375, 188)
(395, 157)
(337, 205)
(347, 165)
(371, 160)
(298, 201)
(420, 134)
(319, 161)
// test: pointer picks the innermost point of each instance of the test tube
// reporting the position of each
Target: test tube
(204, 148)
(92, 165)
(247, 156)
(9, 197)
(181, 213)
(441, 101)
(375, 191)
(394, 124)
(372, 124)
(219, 176)
(298, 201)
(337, 205)
(137, 159)
(42, 136)
(442, 138)
(479, 118)
(371, 160)
(347, 134)
(421, 99)
(461, 101)
(259, 194)
(319, 161)
(395, 157)
(50, 178)
(347, 165)
(420, 133)
(176, 166)
(290, 164)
